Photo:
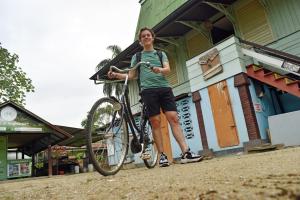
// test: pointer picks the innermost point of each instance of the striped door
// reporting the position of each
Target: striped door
(223, 116)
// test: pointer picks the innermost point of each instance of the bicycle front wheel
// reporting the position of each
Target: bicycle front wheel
(107, 136)
(149, 145)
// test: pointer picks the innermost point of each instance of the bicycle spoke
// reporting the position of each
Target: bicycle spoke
(108, 132)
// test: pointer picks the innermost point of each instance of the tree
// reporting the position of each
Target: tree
(13, 81)
(100, 120)
(109, 88)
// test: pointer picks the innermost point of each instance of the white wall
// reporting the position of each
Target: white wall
(285, 128)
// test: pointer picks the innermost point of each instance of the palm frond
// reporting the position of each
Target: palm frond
(102, 64)
(115, 49)
(110, 88)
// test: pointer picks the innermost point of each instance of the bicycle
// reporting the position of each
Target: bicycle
(107, 131)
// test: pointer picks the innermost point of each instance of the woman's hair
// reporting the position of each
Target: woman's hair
(144, 29)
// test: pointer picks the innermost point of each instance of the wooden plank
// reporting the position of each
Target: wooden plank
(226, 130)
(265, 147)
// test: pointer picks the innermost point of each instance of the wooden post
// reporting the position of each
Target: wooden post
(49, 161)
(196, 99)
(23, 155)
(33, 169)
(242, 83)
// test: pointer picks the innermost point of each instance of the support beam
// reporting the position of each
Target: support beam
(49, 156)
(33, 162)
(162, 48)
(273, 63)
(49, 161)
(222, 9)
(241, 82)
(169, 40)
(263, 58)
(196, 99)
(198, 27)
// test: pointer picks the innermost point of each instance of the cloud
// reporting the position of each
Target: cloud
(59, 43)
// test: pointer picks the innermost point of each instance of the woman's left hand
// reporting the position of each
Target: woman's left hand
(157, 70)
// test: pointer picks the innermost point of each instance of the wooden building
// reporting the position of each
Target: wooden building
(235, 65)
(24, 132)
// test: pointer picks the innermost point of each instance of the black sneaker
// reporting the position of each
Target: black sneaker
(163, 161)
(189, 157)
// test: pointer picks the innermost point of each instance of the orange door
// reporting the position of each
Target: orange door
(223, 117)
(166, 137)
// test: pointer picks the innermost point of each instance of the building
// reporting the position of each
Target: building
(25, 134)
(235, 70)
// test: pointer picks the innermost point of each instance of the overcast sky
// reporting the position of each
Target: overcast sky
(59, 43)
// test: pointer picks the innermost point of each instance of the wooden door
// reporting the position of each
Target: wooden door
(166, 137)
(223, 116)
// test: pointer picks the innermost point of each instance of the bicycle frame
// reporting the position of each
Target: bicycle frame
(115, 146)
(127, 113)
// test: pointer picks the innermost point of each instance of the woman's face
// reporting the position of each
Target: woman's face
(146, 38)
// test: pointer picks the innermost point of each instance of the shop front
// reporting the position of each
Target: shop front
(25, 134)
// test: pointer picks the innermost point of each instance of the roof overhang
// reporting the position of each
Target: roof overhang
(171, 26)
(31, 142)
(78, 139)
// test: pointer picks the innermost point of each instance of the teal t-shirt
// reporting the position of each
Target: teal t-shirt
(149, 79)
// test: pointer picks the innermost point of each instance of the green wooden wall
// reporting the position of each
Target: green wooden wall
(289, 44)
(3, 157)
(284, 16)
(154, 11)
(275, 23)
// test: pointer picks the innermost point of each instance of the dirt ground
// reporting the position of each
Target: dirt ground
(268, 175)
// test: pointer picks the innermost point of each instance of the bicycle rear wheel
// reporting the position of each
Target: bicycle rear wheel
(149, 145)
(107, 136)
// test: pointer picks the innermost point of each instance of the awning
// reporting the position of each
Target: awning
(171, 26)
(26, 131)
(78, 139)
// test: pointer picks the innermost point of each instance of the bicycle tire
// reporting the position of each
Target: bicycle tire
(149, 144)
(107, 136)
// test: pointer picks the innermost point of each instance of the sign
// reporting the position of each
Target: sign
(291, 66)
(8, 114)
(12, 120)
(257, 107)
(210, 64)
(3, 157)
(18, 168)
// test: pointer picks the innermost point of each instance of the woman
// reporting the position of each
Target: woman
(157, 94)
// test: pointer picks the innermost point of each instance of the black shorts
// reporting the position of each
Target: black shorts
(156, 98)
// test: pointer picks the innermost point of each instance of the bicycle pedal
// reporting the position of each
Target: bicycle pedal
(145, 156)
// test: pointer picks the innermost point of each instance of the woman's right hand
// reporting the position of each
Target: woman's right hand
(111, 74)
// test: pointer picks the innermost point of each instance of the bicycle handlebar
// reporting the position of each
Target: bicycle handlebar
(112, 68)
(101, 81)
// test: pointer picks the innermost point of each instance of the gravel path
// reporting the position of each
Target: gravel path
(269, 175)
